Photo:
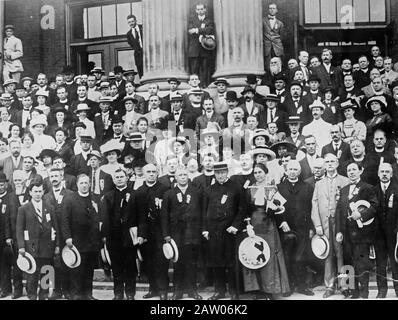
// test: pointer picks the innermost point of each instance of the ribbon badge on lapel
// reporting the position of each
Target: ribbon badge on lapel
(188, 199)
(246, 185)
(213, 181)
(102, 184)
(179, 197)
(127, 197)
(3, 208)
(224, 199)
(391, 201)
(1, 200)
(95, 206)
(158, 203)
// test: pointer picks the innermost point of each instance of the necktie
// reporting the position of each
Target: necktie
(296, 103)
(38, 213)
(93, 180)
(137, 30)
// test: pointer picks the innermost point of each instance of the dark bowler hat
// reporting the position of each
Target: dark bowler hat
(60, 109)
(173, 79)
(3, 177)
(68, 70)
(296, 83)
(117, 119)
(248, 89)
(20, 87)
(231, 96)
(118, 69)
(279, 77)
(251, 79)
(314, 77)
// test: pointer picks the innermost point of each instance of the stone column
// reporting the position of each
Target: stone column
(2, 22)
(239, 31)
(165, 27)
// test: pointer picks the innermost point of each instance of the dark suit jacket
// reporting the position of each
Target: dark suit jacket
(345, 153)
(258, 109)
(332, 79)
(206, 27)
(8, 209)
(80, 221)
(386, 220)
(306, 171)
(123, 211)
(78, 165)
(293, 111)
(349, 228)
(134, 42)
(187, 120)
(362, 79)
(94, 108)
(280, 119)
(69, 180)
(182, 218)
(34, 236)
(202, 122)
(168, 181)
(202, 182)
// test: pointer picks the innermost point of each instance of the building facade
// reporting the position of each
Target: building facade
(59, 32)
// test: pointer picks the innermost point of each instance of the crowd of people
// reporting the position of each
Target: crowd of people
(90, 166)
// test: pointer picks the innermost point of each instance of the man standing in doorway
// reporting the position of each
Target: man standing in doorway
(13, 51)
(134, 38)
(273, 29)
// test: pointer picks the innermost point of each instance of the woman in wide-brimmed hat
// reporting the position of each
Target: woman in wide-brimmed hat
(272, 278)
(378, 106)
(351, 128)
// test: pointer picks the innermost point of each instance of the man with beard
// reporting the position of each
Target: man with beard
(148, 203)
(118, 220)
(55, 197)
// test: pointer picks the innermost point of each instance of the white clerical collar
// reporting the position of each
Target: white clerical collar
(247, 172)
(379, 150)
(63, 101)
(293, 181)
(84, 195)
(121, 189)
(208, 173)
(150, 184)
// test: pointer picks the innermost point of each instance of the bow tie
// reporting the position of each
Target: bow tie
(271, 17)
(58, 190)
(176, 113)
(117, 137)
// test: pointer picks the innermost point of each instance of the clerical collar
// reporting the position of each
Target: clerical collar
(314, 92)
(82, 99)
(247, 172)
(84, 195)
(196, 105)
(379, 150)
(208, 173)
(63, 101)
(69, 83)
(121, 189)
(293, 181)
(150, 184)
(223, 182)
(349, 89)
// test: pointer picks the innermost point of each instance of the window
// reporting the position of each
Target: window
(100, 21)
(344, 12)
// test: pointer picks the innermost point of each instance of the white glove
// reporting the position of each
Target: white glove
(284, 226)
(232, 230)
(250, 231)
(205, 234)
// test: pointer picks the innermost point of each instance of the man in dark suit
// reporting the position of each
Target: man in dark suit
(80, 228)
(250, 107)
(55, 196)
(296, 225)
(210, 116)
(181, 219)
(148, 203)
(273, 114)
(134, 38)
(179, 117)
(119, 81)
(338, 147)
(68, 181)
(310, 156)
(78, 163)
(174, 83)
(118, 220)
(329, 75)
(223, 210)
(273, 32)
(294, 103)
(199, 26)
(362, 76)
(386, 224)
(203, 181)
(103, 121)
(356, 237)
(37, 231)
(168, 180)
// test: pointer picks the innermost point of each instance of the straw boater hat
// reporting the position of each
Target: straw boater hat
(112, 145)
(127, 98)
(94, 153)
(6, 96)
(264, 150)
(170, 251)
(26, 263)
(42, 93)
(82, 107)
(221, 80)
(320, 246)
(71, 257)
(135, 136)
(294, 119)
(317, 104)
(272, 97)
(218, 166)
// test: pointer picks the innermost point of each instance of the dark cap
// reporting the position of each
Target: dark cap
(251, 79)
(231, 96)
